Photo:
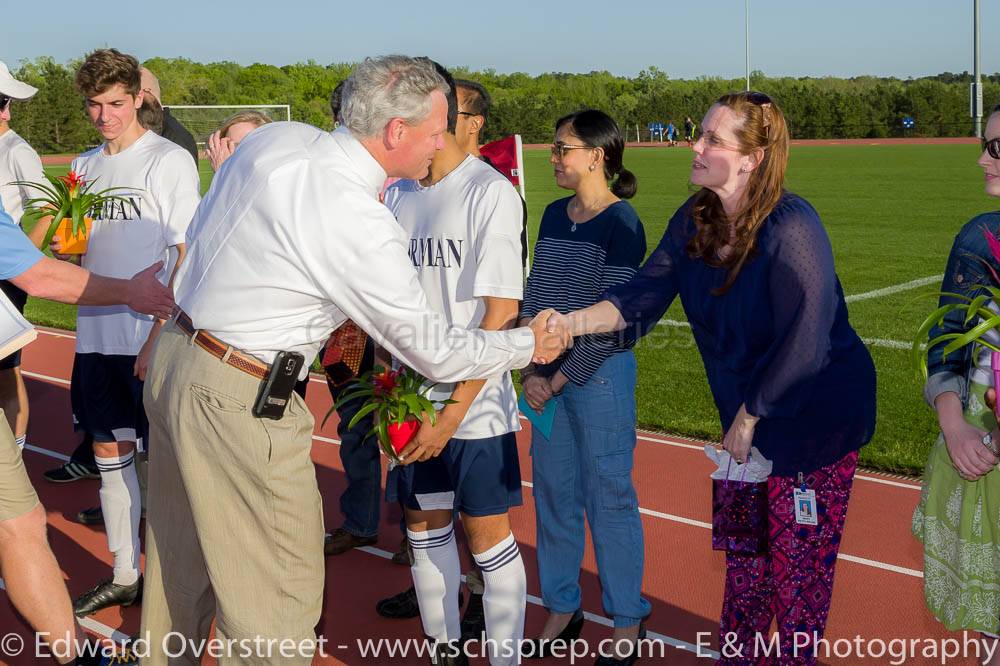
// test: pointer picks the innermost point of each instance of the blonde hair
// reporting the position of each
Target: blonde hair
(256, 118)
(761, 126)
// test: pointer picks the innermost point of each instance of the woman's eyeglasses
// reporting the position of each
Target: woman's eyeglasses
(992, 146)
(4, 102)
(559, 149)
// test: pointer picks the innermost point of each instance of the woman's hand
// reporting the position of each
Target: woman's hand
(968, 454)
(739, 437)
(537, 391)
(219, 150)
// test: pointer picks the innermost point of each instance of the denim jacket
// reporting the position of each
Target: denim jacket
(963, 273)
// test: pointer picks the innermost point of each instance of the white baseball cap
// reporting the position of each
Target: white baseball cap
(12, 87)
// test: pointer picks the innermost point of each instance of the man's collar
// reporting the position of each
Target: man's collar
(369, 168)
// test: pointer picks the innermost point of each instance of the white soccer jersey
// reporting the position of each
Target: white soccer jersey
(18, 161)
(160, 185)
(465, 242)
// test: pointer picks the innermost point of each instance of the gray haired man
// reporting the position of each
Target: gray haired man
(289, 242)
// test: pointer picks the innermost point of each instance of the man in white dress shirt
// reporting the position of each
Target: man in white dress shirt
(288, 243)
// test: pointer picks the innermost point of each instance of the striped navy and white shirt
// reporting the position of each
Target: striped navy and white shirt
(573, 265)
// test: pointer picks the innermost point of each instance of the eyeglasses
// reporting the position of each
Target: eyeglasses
(4, 102)
(559, 149)
(991, 146)
(468, 113)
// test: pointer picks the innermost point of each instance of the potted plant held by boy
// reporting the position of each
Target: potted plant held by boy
(398, 399)
(71, 203)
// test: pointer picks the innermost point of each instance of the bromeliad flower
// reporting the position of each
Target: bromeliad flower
(66, 197)
(73, 183)
(398, 399)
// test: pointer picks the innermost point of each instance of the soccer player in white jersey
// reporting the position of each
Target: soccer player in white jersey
(464, 223)
(159, 183)
(18, 162)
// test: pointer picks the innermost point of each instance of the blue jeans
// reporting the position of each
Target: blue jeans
(586, 468)
(361, 501)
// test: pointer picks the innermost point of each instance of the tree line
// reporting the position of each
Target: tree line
(860, 107)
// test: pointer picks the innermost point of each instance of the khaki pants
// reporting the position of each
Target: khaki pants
(17, 495)
(234, 519)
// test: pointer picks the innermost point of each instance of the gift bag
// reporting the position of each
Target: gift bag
(739, 516)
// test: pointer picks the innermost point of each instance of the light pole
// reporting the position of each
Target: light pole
(746, 15)
(977, 85)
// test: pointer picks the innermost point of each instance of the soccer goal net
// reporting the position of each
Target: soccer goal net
(202, 120)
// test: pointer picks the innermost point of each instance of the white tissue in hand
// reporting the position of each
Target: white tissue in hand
(758, 468)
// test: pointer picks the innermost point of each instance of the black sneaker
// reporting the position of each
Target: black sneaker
(100, 654)
(107, 594)
(474, 620)
(402, 606)
(71, 471)
(449, 654)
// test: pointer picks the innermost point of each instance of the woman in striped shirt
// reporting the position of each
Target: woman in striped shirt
(587, 243)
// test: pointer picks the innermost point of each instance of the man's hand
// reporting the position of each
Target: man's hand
(148, 295)
(537, 391)
(219, 150)
(146, 353)
(551, 339)
(55, 246)
(430, 439)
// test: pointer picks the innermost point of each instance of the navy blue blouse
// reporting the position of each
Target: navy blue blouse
(778, 341)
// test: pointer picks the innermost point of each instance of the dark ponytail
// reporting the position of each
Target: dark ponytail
(625, 184)
(599, 130)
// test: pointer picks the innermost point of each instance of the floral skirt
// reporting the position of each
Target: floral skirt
(958, 522)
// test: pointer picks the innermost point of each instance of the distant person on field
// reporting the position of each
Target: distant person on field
(224, 140)
(671, 134)
(794, 380)
(959, 510)
(18, 162)
(689, 130)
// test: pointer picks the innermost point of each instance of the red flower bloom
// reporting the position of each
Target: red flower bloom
(74, 182)
(385, 382)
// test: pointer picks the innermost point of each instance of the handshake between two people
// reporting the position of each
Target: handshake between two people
(553, 336)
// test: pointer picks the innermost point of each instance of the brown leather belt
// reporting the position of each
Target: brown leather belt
(220, 349)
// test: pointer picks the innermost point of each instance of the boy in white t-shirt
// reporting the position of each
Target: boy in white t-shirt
(464, 223)
(159, 184)
(18, 162)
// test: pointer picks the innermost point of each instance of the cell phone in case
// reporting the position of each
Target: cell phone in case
(277, 387)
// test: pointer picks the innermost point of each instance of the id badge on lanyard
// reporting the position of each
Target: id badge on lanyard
(805, 503)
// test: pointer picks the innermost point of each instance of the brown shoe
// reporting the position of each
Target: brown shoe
(402, 556)
(340, 541)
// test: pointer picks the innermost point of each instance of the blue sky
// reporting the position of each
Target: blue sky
(684, 39)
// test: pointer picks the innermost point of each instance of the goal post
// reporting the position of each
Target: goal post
(203, 119)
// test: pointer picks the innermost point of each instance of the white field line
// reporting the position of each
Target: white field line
(894, 289)
(648, 512)
(871, 342)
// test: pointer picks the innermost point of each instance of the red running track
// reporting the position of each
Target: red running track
(878, 592)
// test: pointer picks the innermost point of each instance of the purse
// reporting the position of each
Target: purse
(739, 515)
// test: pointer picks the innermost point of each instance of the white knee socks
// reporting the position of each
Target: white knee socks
(437, 574)
(122, 509)
(504, 599)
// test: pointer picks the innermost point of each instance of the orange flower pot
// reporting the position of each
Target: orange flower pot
(73, 244)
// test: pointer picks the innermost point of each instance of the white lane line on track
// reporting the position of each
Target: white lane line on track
(596, 619)
(91, 625)
(644, 438)
(648, 512)
(894, 289)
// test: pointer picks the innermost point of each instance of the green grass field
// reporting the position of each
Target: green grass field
(891, 212)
